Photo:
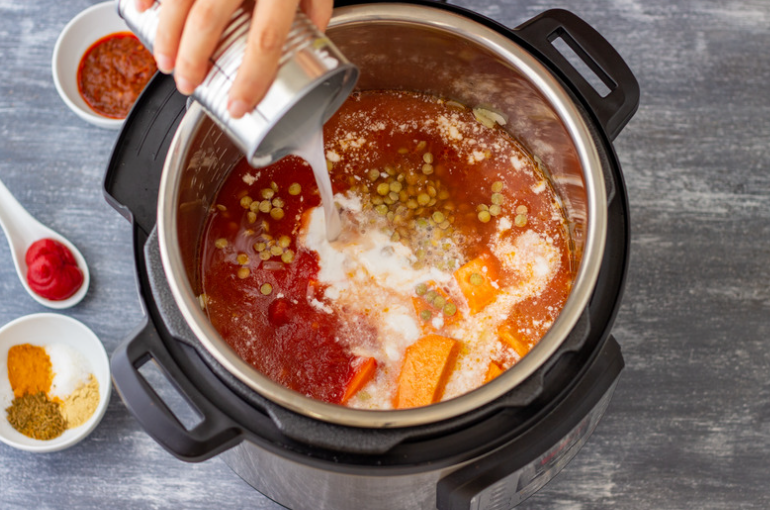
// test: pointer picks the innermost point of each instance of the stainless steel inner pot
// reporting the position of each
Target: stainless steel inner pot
(415, 48)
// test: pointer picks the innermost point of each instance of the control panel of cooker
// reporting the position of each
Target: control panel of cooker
(515, 471)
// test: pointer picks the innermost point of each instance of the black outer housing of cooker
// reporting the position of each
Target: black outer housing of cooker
(522, 424)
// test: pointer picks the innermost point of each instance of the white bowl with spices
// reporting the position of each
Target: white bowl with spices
(76, 378)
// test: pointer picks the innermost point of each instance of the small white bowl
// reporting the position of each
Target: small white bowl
(81, 32)
(46, 329)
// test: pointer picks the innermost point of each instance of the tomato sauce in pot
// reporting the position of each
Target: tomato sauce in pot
(453, 262)
(113, 72)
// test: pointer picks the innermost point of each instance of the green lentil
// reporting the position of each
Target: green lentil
(276, 213)
(421, 289)
(484, 216)
(497, 187)
(266, 289)
(476, 279)
(450, 309)
(426, 315)
(295, 189)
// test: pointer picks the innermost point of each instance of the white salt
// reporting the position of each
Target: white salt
(70, 370)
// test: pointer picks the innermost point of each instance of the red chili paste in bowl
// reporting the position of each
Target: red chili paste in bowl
(52, 271)
(113, 72)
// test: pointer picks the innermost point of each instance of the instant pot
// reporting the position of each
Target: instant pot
(488, 449)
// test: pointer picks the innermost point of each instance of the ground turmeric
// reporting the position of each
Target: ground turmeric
(29, 370)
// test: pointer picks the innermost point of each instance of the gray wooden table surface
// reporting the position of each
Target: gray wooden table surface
(689, 426)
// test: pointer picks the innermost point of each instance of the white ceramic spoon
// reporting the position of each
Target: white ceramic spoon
(22, 229)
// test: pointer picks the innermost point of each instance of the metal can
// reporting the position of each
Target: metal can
(312, 81)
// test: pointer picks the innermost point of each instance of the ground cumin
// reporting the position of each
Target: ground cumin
(35, 416)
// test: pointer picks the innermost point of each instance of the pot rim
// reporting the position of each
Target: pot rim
(544, 81)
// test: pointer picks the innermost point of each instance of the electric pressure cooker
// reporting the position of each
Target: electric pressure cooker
(504, 441)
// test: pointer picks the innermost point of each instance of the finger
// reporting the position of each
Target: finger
(271, 23)
(143, 5)
(171, 20)
(205, 23)
(319, 12)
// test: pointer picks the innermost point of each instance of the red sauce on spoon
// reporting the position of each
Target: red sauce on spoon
(52, 271)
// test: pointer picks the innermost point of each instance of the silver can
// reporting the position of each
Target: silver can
(312, 82)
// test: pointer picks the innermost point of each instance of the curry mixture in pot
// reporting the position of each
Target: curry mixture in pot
(453, 262)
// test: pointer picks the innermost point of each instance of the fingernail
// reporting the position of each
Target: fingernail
(165, 63)
(184, 85)
(238, 108)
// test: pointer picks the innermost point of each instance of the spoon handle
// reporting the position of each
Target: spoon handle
(12, 216)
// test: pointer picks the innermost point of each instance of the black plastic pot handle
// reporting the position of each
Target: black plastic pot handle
(213, 435)
(614, 110)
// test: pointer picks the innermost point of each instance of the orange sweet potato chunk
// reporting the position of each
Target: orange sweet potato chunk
(493, 371)
(427, 365)
(363, 374)
(475, 279)
(518, 344)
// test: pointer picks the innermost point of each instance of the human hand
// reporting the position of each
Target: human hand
(189, 30)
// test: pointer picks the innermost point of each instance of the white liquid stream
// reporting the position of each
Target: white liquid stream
(311, 149)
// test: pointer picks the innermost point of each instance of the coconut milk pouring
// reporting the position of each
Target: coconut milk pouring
(311, 83)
